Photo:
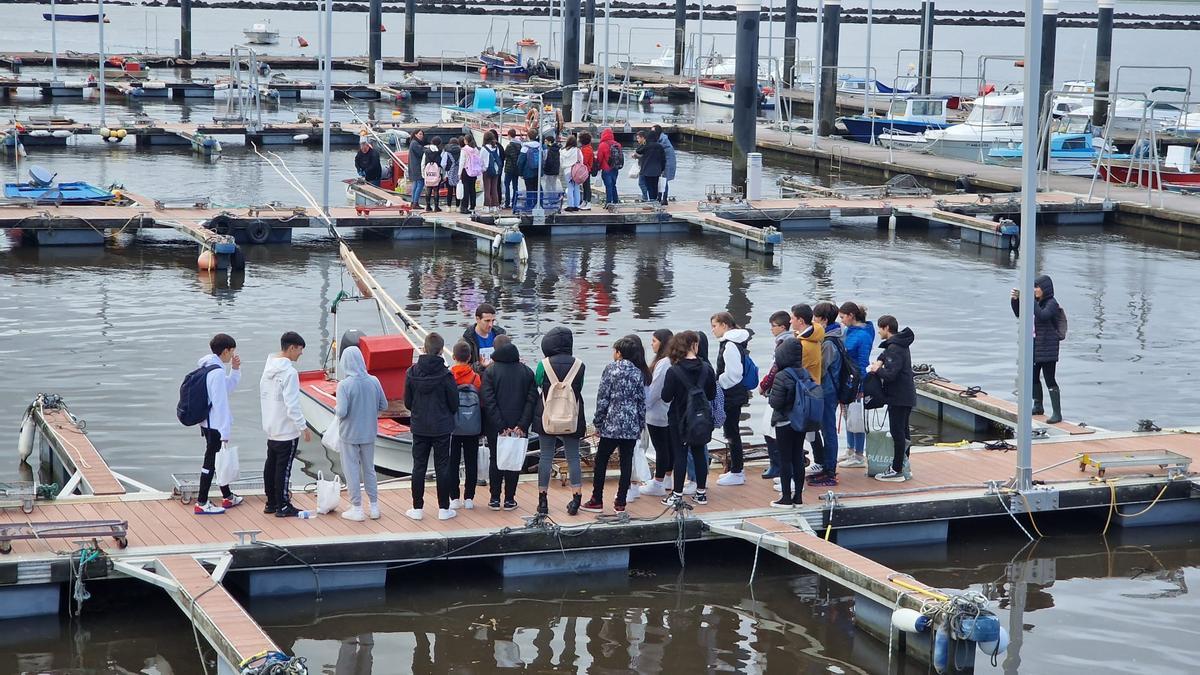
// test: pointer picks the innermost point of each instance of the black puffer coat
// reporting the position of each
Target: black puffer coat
(557, 345)
(782, 396)
(899, 388)
(431, 395)
(508, 394)
(1045, 329)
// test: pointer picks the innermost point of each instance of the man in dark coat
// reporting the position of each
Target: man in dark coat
(481, 336)
(367, 163)
(508, 397)
(431, 396)
(1049, 328)
(894, 368)
(416, 161)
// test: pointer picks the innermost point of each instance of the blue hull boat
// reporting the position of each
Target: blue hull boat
(78, 18)
(64, 193)
(859, 127)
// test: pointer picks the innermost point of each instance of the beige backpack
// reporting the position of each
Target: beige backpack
(560, 414)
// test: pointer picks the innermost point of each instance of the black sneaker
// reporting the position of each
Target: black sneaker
(700, 497)
(573, 506)
(510, 504)
(543, 506)
(494, 504)
(269, 509)
(287, 511)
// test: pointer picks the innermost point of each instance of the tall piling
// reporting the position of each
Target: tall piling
(410, 31)
(1104, 35)
(1049, 38)
(925, 60)
(589, 32)
(185, 29)
(570, 56)
(831, 32)
(680, 35)
(745, 88)
(789, 42)
(375, 46)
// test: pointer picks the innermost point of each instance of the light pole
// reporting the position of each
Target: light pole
(328, 91)
(100, 8)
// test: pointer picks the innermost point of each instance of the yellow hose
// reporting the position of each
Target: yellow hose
(919, 589)
(1147, 509)
(1029, 510)
(1112, 506)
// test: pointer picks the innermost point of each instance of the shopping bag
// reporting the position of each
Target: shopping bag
(228, 467)
(510, 452)
(641, 466)
(764, 423)
(329, 493)
(483, 461)
(856, 420)
(879, 452)
(635, 170)
(332, 437)
(459, 191)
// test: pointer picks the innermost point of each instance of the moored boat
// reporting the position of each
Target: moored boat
(261, 34)
(76, 18)
(914, 115)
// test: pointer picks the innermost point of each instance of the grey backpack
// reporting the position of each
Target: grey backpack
(468, 419)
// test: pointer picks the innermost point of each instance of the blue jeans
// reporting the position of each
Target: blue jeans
(610, 186)
(772, 456)
(572, 194)
(418, 186)
(511, 180)
(691, 465)
(828, 460)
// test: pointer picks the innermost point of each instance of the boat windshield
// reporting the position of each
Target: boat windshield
(983, 113)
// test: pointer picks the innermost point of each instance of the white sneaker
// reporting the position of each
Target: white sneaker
(446, 514)
(456, 503)
(653, 488)
(814, 468)
(468, 504)
(207, 509)
(354, 513)
(375, 512)
(731, 478)
(633, 493)
(854, 462)
(890, 476)
(415, 514)
(778, 485)
(586, 206)
(689, 488)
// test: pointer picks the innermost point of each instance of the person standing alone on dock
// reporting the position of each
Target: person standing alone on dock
(612, 160)
(367, 163)
(360, 399)
(219, 423)
(732, 361)
(283, 421)
(509, 395)
(431, 396)
(512, 153)
(1049, 329)
(481, 336)
(894, 368)
(416, 162)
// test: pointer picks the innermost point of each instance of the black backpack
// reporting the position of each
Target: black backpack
(873, 396)
(616, 159)
(193, 405)
(552, 166)
(698, 423)
(849, 375)
(468, 419)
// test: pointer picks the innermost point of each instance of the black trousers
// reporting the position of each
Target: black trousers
(439, 446)
(681, 457)
(733, 434)
(464, 449)
(496, 476)
(468, 199)
(277, 472)
(898, 428)
(791, 462)
(664, 452)
(212, 445)
(604, 450)
(1047, 371)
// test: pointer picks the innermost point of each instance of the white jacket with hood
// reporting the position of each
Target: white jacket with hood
(220, 385)
(279, 394)
(733, 358)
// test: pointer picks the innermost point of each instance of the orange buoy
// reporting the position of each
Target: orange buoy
(483, 70)
(301, 41)
(382, 28)
(207, 261)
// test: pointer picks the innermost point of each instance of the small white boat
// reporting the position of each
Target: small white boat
(995, 119)
(261, 34)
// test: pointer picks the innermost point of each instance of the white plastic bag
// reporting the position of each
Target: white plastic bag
(764, 423)
(635, 170)
(641, 466)
(459, 191)
(228, 468)
(510, 452)
(329, 493)
(332, 437)
(483, 461)
(856, 418)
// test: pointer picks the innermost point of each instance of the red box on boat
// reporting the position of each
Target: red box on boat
(388, 357)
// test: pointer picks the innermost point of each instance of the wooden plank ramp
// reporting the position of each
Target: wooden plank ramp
(759, 239)
(985, 405)
(214, 612)
(75, 448)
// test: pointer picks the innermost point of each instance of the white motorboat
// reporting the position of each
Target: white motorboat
(261, 34)
(995, 119)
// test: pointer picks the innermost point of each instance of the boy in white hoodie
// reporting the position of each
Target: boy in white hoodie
(732, 351)
(283, 420)
(217, 427)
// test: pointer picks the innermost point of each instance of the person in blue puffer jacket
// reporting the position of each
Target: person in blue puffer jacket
(620, 416)
(859, 336)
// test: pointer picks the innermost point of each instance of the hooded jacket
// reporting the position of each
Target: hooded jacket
(604, 151)
(464, 374)
(1045, 312)
(730, 367)
(831, 359)
(220, 386)
(567, 158)
(621, 401)
(764, 387)
(681, 377)
(469, 337)
(656, 408)
(782, 397)
(509, 394)
(430, 396)
(557, 346)
(452, 161)
(360, 399)
(416, 158)
(512, 152)
(367, 164)
(859, 340)
(527, 162)
(652, 157)
(669, 153)
(810, 341)
(279, 398)
(899, 389)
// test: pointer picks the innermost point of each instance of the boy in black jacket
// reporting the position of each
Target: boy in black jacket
(508, 396)
(431, 396)
(894, 367)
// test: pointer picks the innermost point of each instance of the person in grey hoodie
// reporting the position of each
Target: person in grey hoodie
(283, 421)
(668, 172)
(416, 161)
(431, 397)
(360, 399)
(620, 415)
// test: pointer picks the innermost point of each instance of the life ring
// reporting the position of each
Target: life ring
(258, 232)
(526, 42)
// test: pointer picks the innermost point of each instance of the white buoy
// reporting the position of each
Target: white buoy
(40, 133)
(62, 133)
(25, 442)
(910, 621)
(300, 138)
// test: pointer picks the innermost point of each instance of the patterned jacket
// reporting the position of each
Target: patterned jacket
(621, 401)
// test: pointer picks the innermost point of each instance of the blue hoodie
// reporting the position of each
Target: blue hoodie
(669, 151)
(360, 399)
(859, 340)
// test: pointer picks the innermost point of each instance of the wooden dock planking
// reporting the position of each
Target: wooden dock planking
(997, 407)
(84, 456)
(208, 604)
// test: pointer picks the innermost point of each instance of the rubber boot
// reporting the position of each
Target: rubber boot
(1037, 398)
(543, 506)
(1056, 406)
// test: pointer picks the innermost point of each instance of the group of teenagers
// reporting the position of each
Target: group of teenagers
(541, 165)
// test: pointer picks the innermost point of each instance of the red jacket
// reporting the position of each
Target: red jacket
(606, 143)
(589, 157)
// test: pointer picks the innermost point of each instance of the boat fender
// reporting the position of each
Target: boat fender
(941, 650)
(121, 134)
(25, 442)
(300, 138)
(258, 232)
(105, 132)
(995, 647)
(985, 628)
(40, 133)
(62, 133)
(497, 243)
(910, 621)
